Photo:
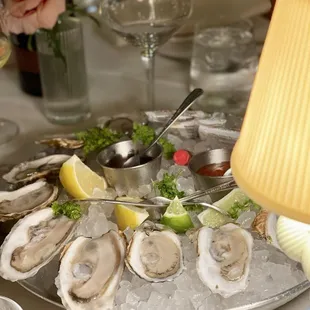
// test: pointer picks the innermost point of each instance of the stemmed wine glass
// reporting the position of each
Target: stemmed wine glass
(146, 24)
(8, 129)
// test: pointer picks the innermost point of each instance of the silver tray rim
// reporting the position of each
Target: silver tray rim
(269, 303)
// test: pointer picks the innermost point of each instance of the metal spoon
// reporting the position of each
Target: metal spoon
(200, 193)
(148, 205)
(134, 160)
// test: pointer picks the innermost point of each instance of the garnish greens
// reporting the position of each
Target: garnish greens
(146, 134)
(70, 209)
(97, 138)
(167, 187)
(238, 208)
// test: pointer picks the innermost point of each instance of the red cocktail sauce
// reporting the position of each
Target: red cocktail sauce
(214, 170)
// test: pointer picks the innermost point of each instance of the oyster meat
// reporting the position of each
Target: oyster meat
(33, 242)
(90, 272)
(29, 171)
(16, 204)
(155, 254)
(224, 259)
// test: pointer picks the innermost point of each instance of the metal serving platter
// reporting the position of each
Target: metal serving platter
(42, 285)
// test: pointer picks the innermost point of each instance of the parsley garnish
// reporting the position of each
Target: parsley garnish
(70, 209)
(146, 134)
(96, 138)
(167, 187)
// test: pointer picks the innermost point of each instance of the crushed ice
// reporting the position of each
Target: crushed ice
(271, 272)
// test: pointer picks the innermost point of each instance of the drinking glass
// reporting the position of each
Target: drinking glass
(63, 72)
(146, 24)
(8, 129)
(224, 63)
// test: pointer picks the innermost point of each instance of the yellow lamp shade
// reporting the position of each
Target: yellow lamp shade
(271, 160)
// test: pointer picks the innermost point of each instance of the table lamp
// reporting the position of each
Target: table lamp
(271, 160)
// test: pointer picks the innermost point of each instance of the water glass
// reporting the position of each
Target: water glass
(224, 64)
(63, 72)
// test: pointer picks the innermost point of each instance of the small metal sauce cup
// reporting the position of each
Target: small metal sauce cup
(132, 177)
(9, 303)
(206, 158)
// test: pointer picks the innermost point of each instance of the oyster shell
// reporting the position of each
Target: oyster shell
(33, 242)
(155, 254)
(29, 171)
(27, 199)
(90, 272)
(224, 259)
(65, 143)
(265, 225)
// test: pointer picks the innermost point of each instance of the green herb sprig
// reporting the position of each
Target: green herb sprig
(167, 187)
(145, 134)
(238, 208)
(70, 209)
(97, 138)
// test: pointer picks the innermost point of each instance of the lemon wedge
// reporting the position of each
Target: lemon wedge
(129, 216)
(79, 180)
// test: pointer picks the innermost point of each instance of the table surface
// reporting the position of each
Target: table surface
(116, 83)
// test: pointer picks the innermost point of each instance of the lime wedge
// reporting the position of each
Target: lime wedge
(214, 219)
(176, 217)
(236, 195)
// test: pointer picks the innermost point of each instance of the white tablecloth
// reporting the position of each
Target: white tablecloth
(116, 83)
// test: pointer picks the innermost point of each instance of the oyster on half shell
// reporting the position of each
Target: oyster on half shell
(265, 225)
(224, 258)
(32, 243)
(65, 143)
(29, 171)
(27, 199)
(90, 272)
(154, 253)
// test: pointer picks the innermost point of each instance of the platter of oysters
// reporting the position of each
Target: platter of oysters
(77, 235)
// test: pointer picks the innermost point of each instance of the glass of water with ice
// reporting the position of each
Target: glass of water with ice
(223, 64)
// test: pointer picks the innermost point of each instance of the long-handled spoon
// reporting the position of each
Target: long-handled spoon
(134, 160)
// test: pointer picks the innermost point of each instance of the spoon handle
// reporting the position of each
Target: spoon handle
(216, 189)
(186, 104)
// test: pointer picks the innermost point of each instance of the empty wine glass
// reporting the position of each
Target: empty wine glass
(146, 24)
(8, 129)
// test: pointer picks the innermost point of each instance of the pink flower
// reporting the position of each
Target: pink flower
(26, 16)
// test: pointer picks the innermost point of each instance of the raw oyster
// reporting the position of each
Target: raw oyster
(224, 259)
(33, 242)
(29, 171)
(265, 225)
(27, 199)
(65, 143)
(90, 272)
(155, 254)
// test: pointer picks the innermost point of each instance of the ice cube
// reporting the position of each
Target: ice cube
(143, 292)
(186, 185)
(167, 288)
(175, 140)
(145, 190)
(246, 219)
(179, 170)
(132, 299)
(156, 300)
(183, 282)
(189, 145)
(133, 192)
(120, 190)
(121, 295)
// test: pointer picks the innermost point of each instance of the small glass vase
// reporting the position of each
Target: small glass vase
(63, 72)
